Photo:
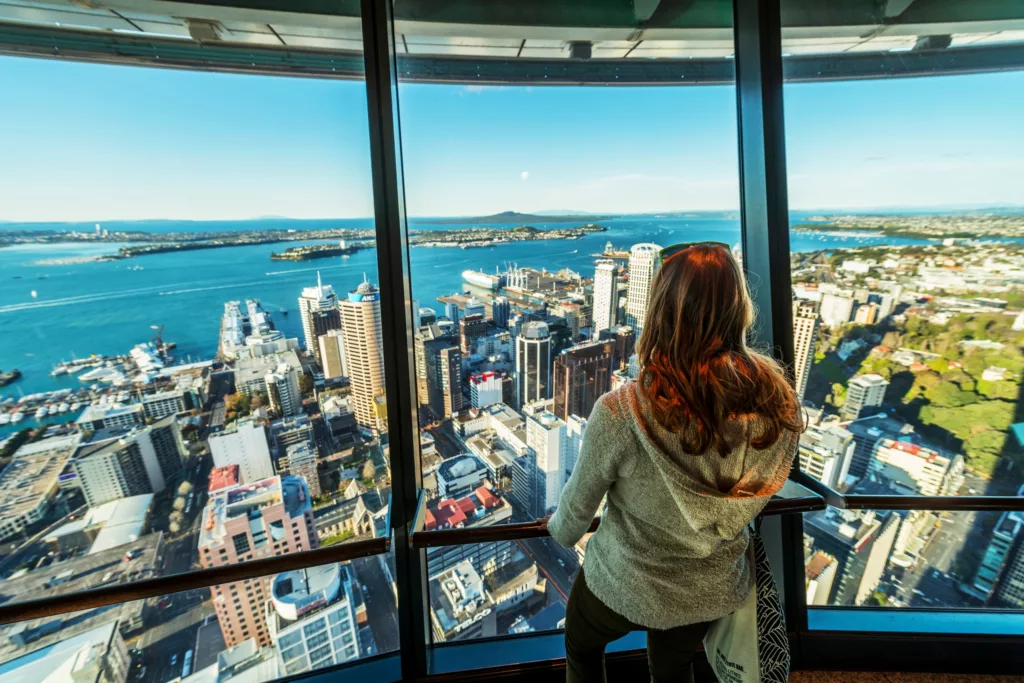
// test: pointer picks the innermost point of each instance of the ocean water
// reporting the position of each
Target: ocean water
(50, 313)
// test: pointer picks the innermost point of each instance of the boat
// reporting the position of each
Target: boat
(58, 371)
(62, 407)
(483, 280)
(76, 406)
(41, 412)
(17, 417)
(5, 419)
(53, 409)
(283, 311)
(9, 376)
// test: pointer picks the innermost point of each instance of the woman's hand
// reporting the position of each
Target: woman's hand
(542, 522)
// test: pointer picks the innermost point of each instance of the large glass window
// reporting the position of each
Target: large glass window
(906, 232)
(537, 209)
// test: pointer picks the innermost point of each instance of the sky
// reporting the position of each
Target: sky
(89, 142)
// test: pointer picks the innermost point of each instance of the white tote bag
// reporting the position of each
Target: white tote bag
(751, 645)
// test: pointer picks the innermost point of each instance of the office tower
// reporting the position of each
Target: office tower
(415, 311)
(451, 310)
(302, 463)
(917, 470)
(820, 574)
(30, 481)
(1009, 591)
(826, 453)
(332, 354)
(427, 316)
(461, 607)
(533, 362)
(129, 461)
(318, 310)
(250, 521)
(863, 392)
(546, 439)
(805, 327)
(860, 541)
(836, 309)
(501, 311)
(606, 296)
(311, 616)
(443, 362)
(575, 427)
(867, 432)
(364, 354)
(472, 326)
(474, 307)
(97, 416)
(643, 261)
(624, 338)
(866, 314)
(457, 476)
(251, 373)
(244, 444)
(482, 507)
(485, 388)
(283, 390)
(1002, 566)
(581, 375)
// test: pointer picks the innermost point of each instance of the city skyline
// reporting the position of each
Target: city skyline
(273, 146)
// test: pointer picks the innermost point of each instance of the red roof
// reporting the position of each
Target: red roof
(486, 498)
(482, 376)
(430, 522)
(223, 477)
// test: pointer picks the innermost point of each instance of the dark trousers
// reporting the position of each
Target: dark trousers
(590, 626)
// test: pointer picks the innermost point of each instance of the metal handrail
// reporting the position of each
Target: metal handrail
(935, 503)
(832, 497)
(200, 578)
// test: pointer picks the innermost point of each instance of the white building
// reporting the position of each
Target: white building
(547, 441)
(30, 481)
(243, 444)
(533, 362)
(485, 389)
(836, 309)
(917, 469)
(460, 606)
(364, 355)
(606, 296)
(105, 416)
(575, 427)
(643, 261)
(318, 310)
(826, 453)
(311, 618)
(163, 403)
(805, 326)
(862, 392)
(283, 390)
(459, 475)
(332, 354)
(251, 373)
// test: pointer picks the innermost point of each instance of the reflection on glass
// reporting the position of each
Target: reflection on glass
(316, 618)
(915, 558)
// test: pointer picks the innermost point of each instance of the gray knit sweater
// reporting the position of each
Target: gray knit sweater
(671, 548)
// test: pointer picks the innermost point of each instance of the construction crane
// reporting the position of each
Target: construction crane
(158, 338)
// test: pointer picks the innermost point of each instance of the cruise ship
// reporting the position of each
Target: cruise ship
(478, 278)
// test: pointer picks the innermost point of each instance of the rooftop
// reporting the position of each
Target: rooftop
(95, 411)
(252, 369)
(297, 593)
(31, 475)
(223, 477)
(456, 595)
(243, 499)
(111, 439)
(452, 513)
(460, 466)
(54, 663)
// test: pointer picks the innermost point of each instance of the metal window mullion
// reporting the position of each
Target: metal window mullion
(765, 219)
(396, 328)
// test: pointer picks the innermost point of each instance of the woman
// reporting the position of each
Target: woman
(688, 455)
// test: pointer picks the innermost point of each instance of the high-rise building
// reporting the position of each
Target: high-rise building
(244, 444)
(860, 541)
(284, 370)
(485, 389)
(443, 362)
(805, 327)
(253, 520)
(862, 392)
(427, 316)
(501, 311)
(472, 326)
(284, 392)
(364, 354)
(826, 453)
(311, 617)
(581, 375)
(917, 470)
(302, 463)
(1003, 559)
(129, 461)
(475, 307)
(451, 310)
(820, 573)
(575, 427)
(866, 314)
(533, 362)
(460, 606)
(332, 354)
(624, 338)
(546, 439)
(836, 309)
(318, 310)
(606, 296)
(643, 261)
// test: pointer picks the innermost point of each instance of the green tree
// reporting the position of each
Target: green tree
(306, 384)
(950, 395)
(939, 365)
(1002, 390)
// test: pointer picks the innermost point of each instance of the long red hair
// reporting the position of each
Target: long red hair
(697, 372)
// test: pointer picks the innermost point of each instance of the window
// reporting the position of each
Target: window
(907, 303)
(528, 311)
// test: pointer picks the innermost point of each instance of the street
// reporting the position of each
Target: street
(381, 610)
(546, 554)
(174, 634)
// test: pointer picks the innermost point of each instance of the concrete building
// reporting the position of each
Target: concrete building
(460, 606)
(481, 508)
(29, 483)
(164, 403)
(860, 541)
(826, 453)
(805, 328)
(311, 618)
(97, 655)
(102, 416)
(917, 470)
(459, 475)
(867, 431)
(472, 326)
(865, 391)
(575, 427)
(284, 392)
(332, 354)
(1003, 561)
(836, 309)
(547, 441)
(485, 389)
(275, 376)
(101, 528)
(443, 364)
(643, 262)
(253, 520)
(318, 311)
(866, 314)
(606, 297)
(501, 311)
(244, 443)
(820, 574)
(533, 362)
(582, 375)
(129, 462)
(302, 463)
(364, 354)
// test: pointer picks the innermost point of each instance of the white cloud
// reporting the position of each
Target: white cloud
(524, 175)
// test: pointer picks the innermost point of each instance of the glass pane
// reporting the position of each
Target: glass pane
(182, 634)
(906, 230)
(917, 558)
(495, 589)
(190, 316)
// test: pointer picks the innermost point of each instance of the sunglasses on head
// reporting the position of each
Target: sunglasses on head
(668, 252)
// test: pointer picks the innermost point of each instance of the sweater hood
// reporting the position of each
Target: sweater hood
(716, 496)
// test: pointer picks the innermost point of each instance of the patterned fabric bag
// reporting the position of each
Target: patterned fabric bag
(750, 645)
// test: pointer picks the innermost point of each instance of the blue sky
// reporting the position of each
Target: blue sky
(94, 142)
